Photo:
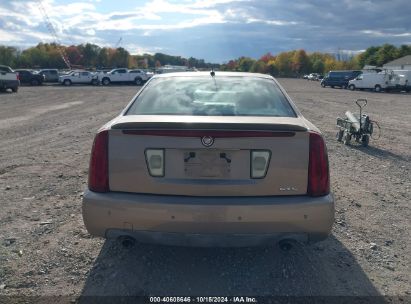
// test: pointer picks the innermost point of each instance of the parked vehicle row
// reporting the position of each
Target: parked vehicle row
(376, 80)
(339, 78)
(8, 79)
(30, 77)
(399, 80)
(314, 77)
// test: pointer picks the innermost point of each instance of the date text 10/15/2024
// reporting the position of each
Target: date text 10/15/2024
(238, 299)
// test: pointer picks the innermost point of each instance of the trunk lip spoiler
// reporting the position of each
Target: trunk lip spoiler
(213, 133)
(219, 127)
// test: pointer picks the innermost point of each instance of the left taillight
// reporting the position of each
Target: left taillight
(17, 76)
(98, 170)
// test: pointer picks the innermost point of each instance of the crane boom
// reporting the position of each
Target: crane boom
(53, 32)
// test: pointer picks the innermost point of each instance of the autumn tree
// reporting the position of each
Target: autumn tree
(300, 62)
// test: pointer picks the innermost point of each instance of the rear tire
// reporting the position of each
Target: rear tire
(323, 85)
(346, 138)
(351, 87)
(377, 88)
(340, 134)
(15, 89)
(105, 81)
(365, 140)
(138, 81)
(67, 82)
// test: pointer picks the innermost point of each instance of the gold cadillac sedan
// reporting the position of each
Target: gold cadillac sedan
(209, 159)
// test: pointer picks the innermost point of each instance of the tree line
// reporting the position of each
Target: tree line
(49, 55)
(288, 64)
(297, 62)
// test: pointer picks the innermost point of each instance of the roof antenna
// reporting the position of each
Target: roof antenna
(212, 73)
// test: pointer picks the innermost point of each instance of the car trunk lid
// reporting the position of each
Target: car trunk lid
(191, 167)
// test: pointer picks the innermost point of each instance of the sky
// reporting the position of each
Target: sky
(216, 31)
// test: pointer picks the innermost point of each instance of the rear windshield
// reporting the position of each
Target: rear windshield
(212, 96)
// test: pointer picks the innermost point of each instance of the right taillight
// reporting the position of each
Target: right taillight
(318, 172)
(98, 170)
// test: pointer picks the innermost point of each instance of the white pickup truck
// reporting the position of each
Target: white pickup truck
(78, 77)
(123, 76)
(8, 79)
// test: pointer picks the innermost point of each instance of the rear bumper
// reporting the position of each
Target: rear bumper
(9, 84)
(208, 221)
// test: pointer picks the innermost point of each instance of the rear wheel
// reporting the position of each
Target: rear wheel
(339, 135)
(346, 138)
(67, 82)
(15, 89)
(105, 81)
(323, 84)
(377, 88)
(332, 87)
(351, 87)
(138, 81)
(365, 140)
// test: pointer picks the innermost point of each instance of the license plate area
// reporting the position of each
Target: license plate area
(208, 163)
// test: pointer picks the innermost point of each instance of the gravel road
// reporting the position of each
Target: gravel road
(46, 135)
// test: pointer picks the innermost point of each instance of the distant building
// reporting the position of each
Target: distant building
(403, 63)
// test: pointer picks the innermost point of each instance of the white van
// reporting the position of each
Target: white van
(372, 81)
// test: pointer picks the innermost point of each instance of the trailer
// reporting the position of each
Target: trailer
(400, 80)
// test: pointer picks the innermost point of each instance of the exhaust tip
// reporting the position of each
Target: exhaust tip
(286, 245)
(127, 241)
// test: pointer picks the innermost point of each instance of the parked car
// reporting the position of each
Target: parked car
(28, 77)
(209, 159)
(370, 81)
(124, 76)
(8, 79)
(339, 78)
(313, 76)
(50, 75)
(79, 77)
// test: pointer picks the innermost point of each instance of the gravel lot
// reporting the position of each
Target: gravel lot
(46, 135)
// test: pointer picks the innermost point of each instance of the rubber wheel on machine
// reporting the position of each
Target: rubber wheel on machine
(346, 138)
(377, 88)
(365, 140)
(339, 135)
